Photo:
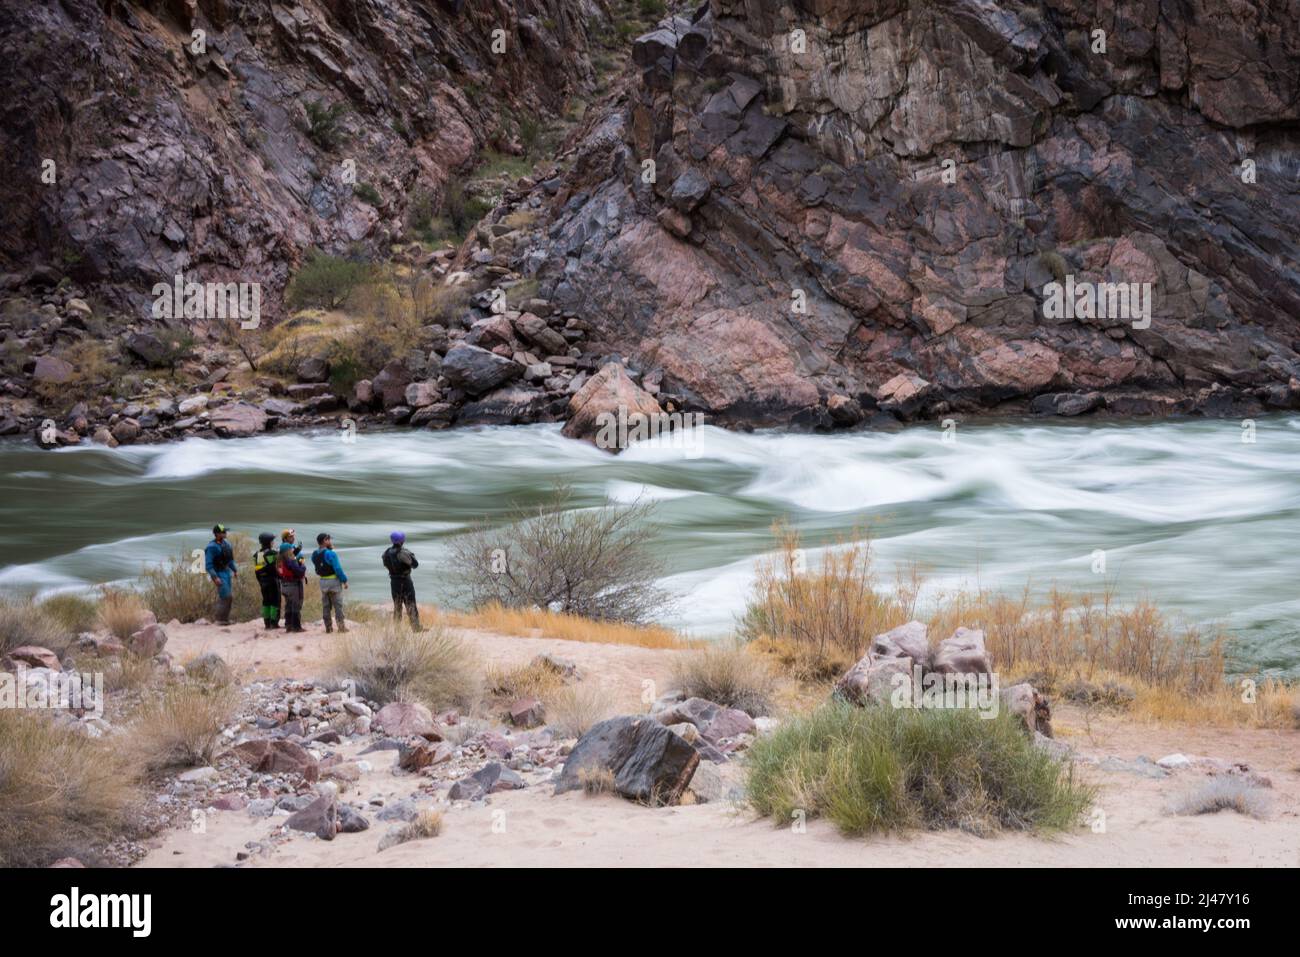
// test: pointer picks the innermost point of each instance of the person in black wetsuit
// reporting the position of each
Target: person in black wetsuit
(400, 563)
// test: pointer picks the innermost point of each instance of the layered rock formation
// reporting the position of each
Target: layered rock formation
(146, 139)
(810, 210)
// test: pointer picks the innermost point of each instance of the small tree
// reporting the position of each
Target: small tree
(323, 127)
(590, 562)
(325, 281)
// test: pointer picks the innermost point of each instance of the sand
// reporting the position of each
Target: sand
(534, 828)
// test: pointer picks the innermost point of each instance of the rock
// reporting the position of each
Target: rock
(423, 754)
(238, 420)
(103, 436)
(313, 369)
(962, 654)
(714, 721)
(422, 394)
(211, 669)
(148, 641)
(405, 719)
(199, 776)
(277, 757)
(1066, 403)
(689, 190)
(147, 347)
(527, 713)
(31, 656)
(649, 763)
(126, 431)
(319, 818)
(193, 405)
(52, 370)
(389, 387)
(1032, 708)
(230, 802)
(905, 641)
(608, 398)
(534, 329)
(351, 821)
(873, 680)
(477, 370)
(489, 779)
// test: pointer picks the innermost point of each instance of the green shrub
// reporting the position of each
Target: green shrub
(883, 769)
(462, 210)
(325, 282)
(75, 613)
(368, 194)
(323, 126)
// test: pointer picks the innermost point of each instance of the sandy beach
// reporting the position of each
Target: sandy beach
(534, 827)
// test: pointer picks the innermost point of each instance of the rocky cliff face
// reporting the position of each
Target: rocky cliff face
(179, 152)
(812, 209)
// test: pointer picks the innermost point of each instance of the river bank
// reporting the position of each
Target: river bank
(534, 827)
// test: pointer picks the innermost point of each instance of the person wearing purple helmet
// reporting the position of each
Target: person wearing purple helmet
(400, 563)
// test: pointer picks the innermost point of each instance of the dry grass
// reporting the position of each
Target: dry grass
(23, 622)
(1223, 793)
(128, 672)
(543, 623)
(389, 662)
(180, 724)
(730, 674)
(60, 791)
(427, 824)
(596, 781)
(523, 681)
(814, 622)
(574, 709)
(120, 612)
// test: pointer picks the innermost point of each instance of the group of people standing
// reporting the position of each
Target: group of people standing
(282, 576)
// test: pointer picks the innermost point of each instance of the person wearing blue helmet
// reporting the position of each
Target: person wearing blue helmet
(400, 563)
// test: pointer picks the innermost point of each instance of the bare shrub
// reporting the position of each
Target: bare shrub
(180, 724)
(121, 612)
(24, 622)
(1223, 793)
(729, 674)
(591, 562)
(573, 710)
(390, 662)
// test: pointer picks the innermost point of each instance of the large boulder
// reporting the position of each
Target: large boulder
(51, 370)
(238, 420)
(962, 654)
(477, 370)
(646, 761)
(872, 680)
(389, 387)
(905, 641)
(609, 399)
(404, 719)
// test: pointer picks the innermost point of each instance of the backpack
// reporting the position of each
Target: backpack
(323, 568)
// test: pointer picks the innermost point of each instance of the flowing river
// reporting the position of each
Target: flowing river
(1186, 512)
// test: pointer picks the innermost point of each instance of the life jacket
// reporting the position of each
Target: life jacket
(264, 562)
(225, 557)
(291, 569)
(323, 568)
(396, 567)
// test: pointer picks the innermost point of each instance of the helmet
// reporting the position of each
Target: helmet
(218, 529)
(266, 538)
(397, 538)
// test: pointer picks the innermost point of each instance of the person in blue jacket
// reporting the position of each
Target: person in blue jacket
(332, 580)
(219, 562)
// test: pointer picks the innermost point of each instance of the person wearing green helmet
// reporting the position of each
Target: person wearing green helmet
(264, 568)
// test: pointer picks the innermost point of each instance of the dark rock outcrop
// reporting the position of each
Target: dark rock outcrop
(645, 761)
